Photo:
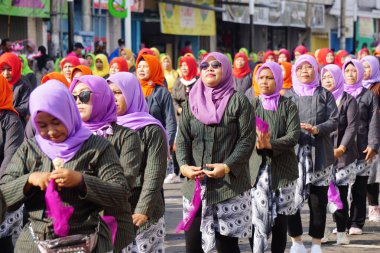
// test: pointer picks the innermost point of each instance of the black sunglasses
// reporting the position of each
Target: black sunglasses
(214, 64)
(84, 96)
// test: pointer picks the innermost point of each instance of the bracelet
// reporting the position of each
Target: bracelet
(226, 169)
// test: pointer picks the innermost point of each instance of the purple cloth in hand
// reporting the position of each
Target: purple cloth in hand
(197, 199)
(112, 225)
(261, 125)
(334, 197)
(57, 211)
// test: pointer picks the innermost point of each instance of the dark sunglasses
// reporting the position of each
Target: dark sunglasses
(84, 96)
(214, 64)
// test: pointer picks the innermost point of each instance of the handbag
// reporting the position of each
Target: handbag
(80, 243)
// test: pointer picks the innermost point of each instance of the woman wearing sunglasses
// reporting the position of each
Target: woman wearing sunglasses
(214, 143)
(242, 73)
(147, 201)
(98, 111)
(318, 115)
(91, 166)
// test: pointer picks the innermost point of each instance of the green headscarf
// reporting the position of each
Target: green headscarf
(25, 66)
(244, 50)
(57, 65)
(253, 55)
(229, 57)
(92, 66)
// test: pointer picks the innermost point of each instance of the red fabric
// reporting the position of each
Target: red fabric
(144, 51)
(192, 65)
(14, 62)
(338, 58)
(267, 54)
(363, 50)
(301, 49)
(121, 62)
(322, 54)
(285, 52)
(185, 50)
(72, 59)
(245, 70)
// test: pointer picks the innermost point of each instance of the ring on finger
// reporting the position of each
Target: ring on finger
(61, 181)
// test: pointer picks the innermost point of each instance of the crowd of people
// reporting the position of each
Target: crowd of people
(89, 140)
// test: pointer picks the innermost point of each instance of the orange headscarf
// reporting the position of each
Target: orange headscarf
(84, 69)
(288, 75)
(6, 96)
(123, 66)
(156, 74)
(254, 82)
(15, 63)
(245, 70)
(142, 52)
(55, 76)
(322, 54)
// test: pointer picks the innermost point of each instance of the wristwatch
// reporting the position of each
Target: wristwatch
(226, 169)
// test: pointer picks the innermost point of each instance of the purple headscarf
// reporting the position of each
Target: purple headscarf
(104, 111)
(305, 89)
(336, 72)
(208, 104)
(375, 71)
(270, 102)
(356, 88)
(54, 98)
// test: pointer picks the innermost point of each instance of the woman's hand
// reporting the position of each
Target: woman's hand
(263, 140)
(310, 128)
(217, 170)
(66, 178)
(192, 172)
(38, 179)
(370, 153)
(139, 219)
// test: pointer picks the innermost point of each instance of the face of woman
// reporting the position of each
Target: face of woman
(367, 70)
(330, 58)
(165, 64)
(83, 98)
(305, 73)
(99, 64)
(6, 71)
(114, 68)
(350, 74)
(184, 69)
(121, 104)
(328, 81)
(143, 71)
(50, 127)
(267, 84)
(270, 58)
(67, 68)
(282, 58)
(77, 73)
(89, 59)
(212, 74)
(239, 62)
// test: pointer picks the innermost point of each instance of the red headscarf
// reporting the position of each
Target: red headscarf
(6, 96)
(301, 49)
(156, 74)
(322, 54)
(55, 76)
(192, 65)
(245, 70)
(15, 63)
(339, 56)
(286, 53)
(267, 54)
(121, 62)
(142, 52)
(72, 59)
(363, 50)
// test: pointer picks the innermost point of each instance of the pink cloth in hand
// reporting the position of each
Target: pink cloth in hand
(188, 220)
(112, 225)
(57, 211)
(261, 125)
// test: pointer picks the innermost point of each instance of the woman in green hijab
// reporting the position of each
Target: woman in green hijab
(90, 57)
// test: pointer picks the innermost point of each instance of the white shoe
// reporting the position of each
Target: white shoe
(342, 239)
(170, 179)
(374, 213)
(315, 248)
(355, 231)
(326, 237)
(335, 231)
(298, 248)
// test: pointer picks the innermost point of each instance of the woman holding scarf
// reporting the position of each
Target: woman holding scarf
(97, 108)
(90, 166)
(368, 135)
(242, 75)
(344, 140)
(214, 143)
(147, 201)
(319, 118)
(273, 161)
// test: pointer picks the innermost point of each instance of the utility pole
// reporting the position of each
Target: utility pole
(342, 35)
(70, 14)
(251, 13)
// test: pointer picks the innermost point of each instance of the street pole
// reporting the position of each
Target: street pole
(251, 13)
(128, 26)
(70, 4)
(342, 35)
(355, 21)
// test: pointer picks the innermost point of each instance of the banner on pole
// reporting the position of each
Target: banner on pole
(25, 8)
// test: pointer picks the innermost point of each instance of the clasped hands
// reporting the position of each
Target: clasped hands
(64, 178)
(193, 172)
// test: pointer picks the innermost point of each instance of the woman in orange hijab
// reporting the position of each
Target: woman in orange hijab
(287, 76)
(118, 64)
(254, 91)
(160, 103)
(79, 71)
(55, 76)
(325, 56)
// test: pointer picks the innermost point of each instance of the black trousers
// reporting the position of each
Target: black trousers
(341, 216)
(193, 238)
(279, 236)
(358, 206)
(317, 204)
(373, 194)
(175, 163)
(6, 244)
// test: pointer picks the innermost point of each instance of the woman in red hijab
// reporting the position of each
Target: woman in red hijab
(340, 57)
(67, 65)
(270, 56)
(118, 64)
(10, 66)
(284, 55)
(362, 53)
(242, 75)
(325, 56)
(300, 50)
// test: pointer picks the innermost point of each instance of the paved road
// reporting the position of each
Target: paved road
(368, 242)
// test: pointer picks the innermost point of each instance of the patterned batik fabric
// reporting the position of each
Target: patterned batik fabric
(346, 175)
(263, 209)
(284, 199)
(12, 225)
(150, 240)
(363, 168)
(231, 218)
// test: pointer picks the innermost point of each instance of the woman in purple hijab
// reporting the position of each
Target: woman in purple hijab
(318, 115)
(273, 164)
(97, 108)
(368, 137)
(214, 143)
(84, 165)
(344, 140)
(147, 200)
(371, 81)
